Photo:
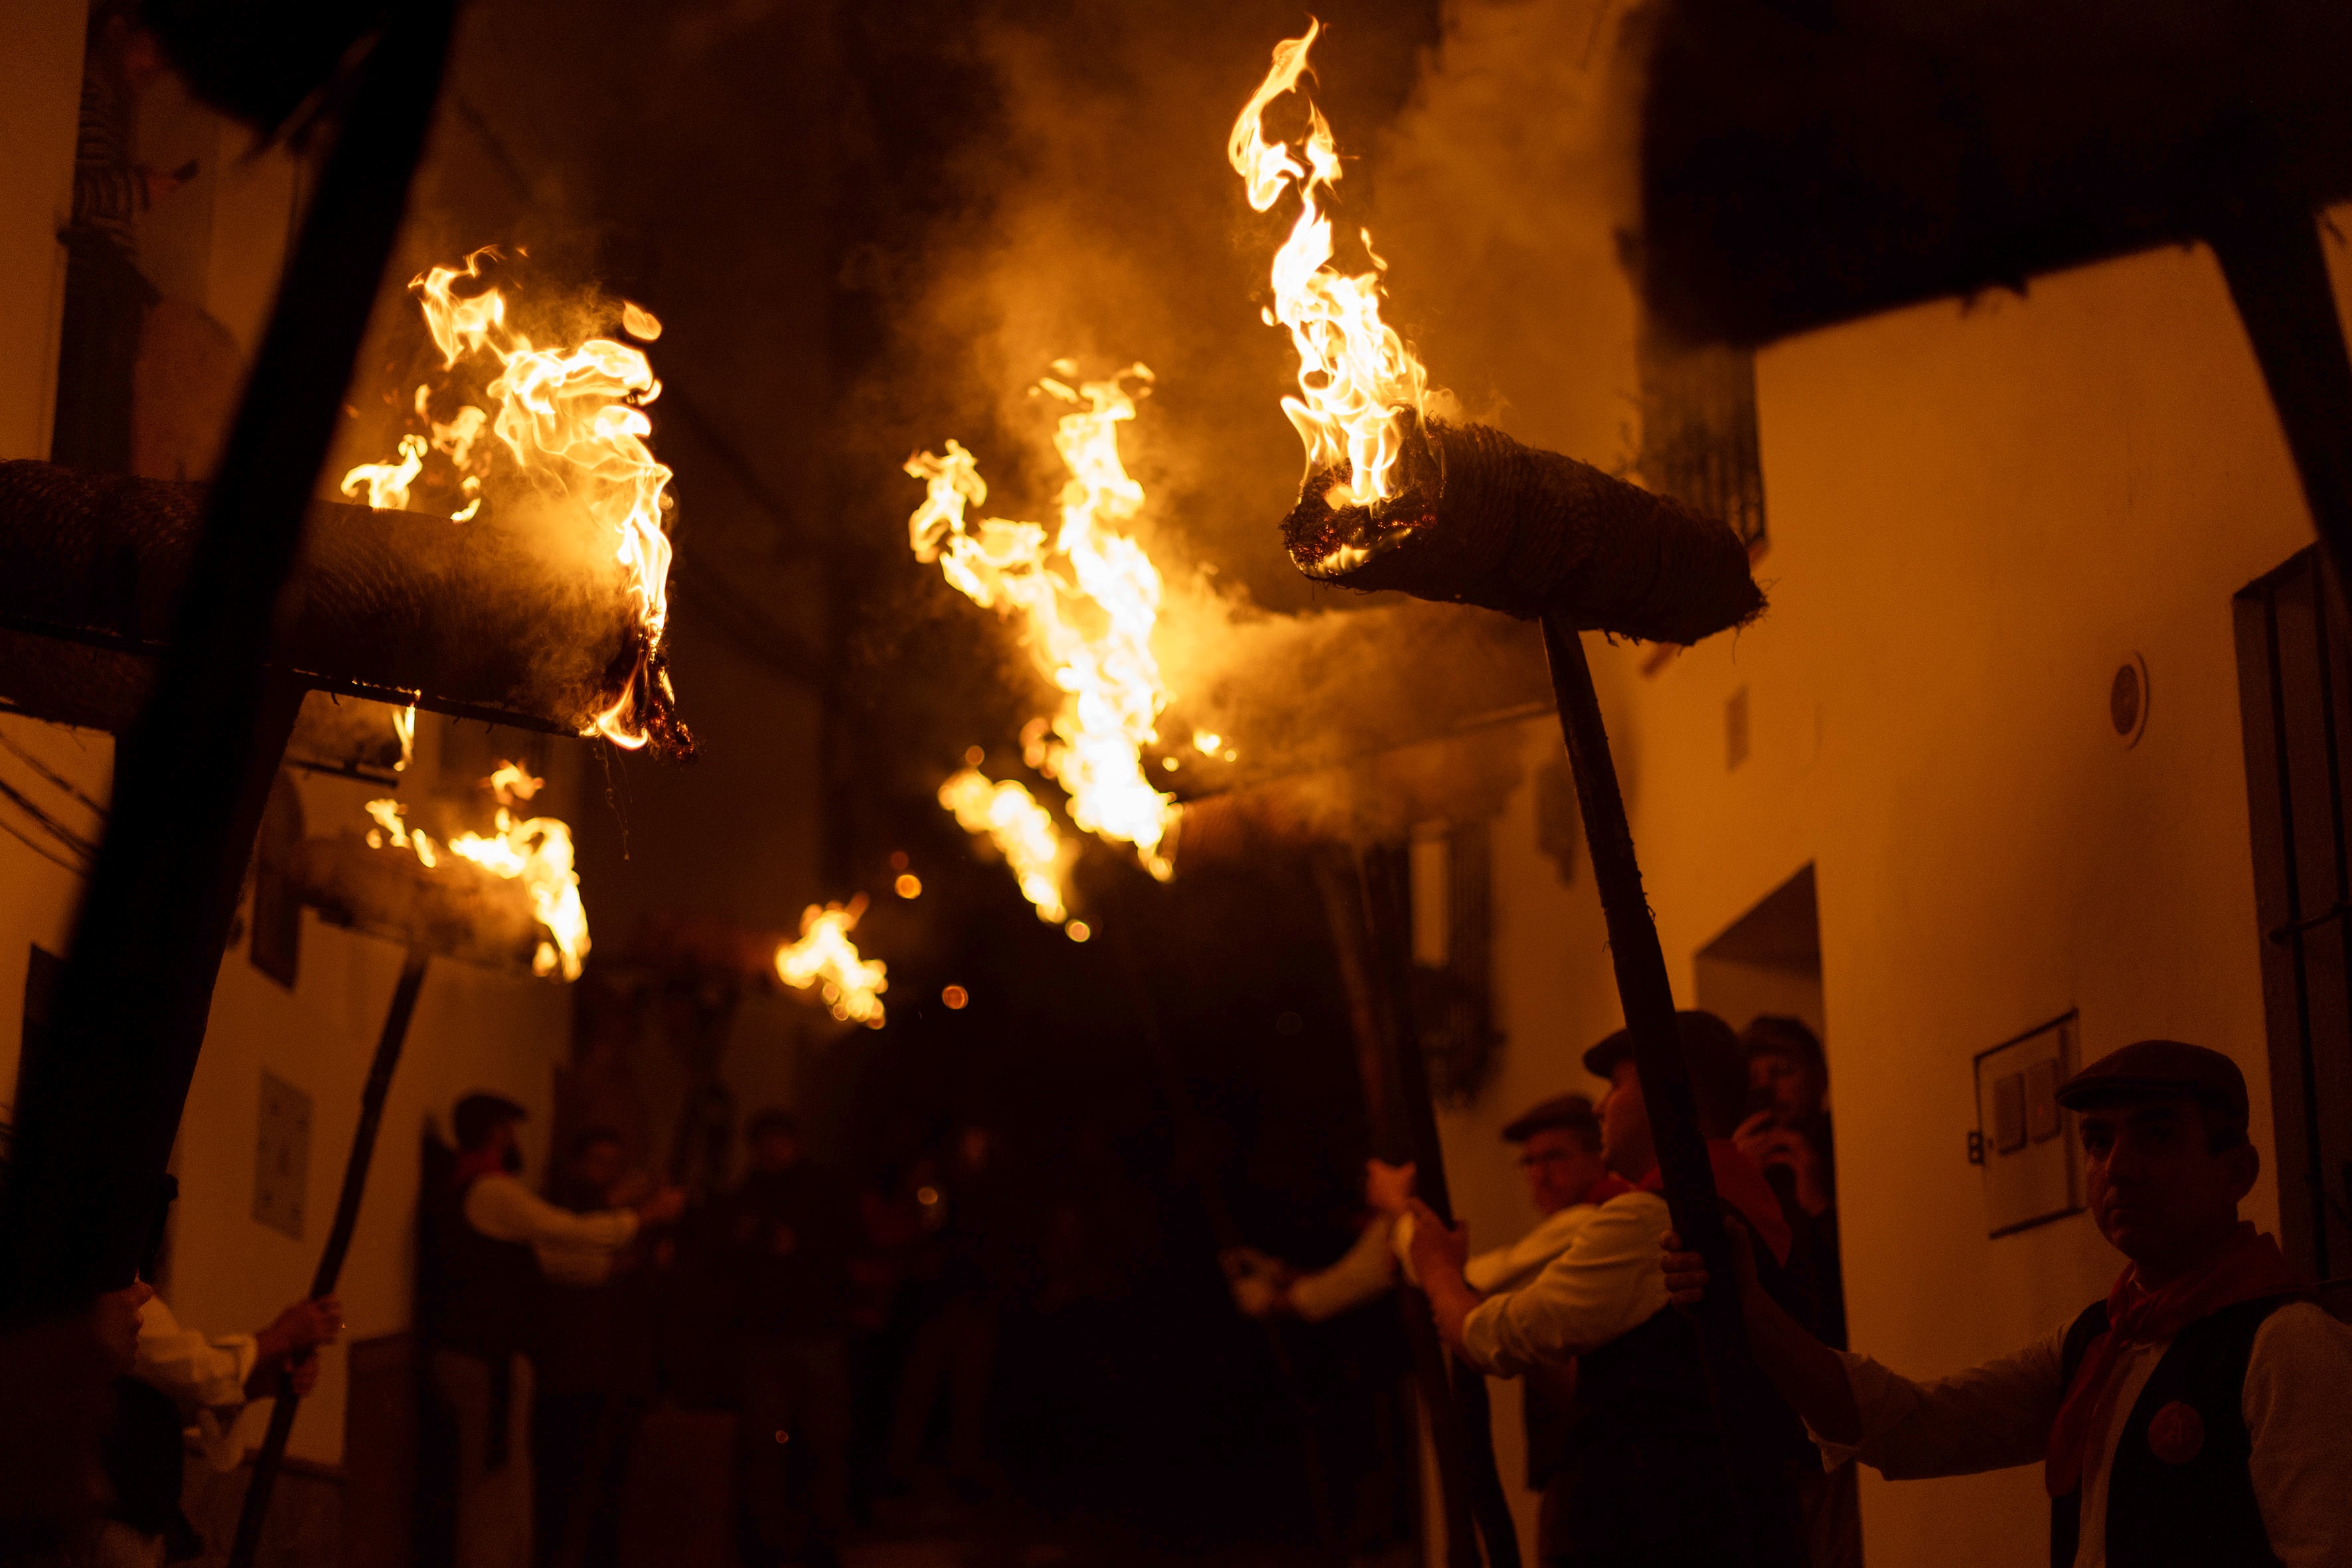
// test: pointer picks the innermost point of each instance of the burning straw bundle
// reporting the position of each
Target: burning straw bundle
(395, 606)
(1480, 518)
(1396, 499)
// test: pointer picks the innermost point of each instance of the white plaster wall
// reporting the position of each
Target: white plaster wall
(40, 88)
(1976, 512)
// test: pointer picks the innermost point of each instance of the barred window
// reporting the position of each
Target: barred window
(1698, 432)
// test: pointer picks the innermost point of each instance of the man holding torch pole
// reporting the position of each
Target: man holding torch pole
(1643, 1480)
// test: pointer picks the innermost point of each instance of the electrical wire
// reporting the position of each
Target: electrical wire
(44, 769)
(16, 833)
(55, 829)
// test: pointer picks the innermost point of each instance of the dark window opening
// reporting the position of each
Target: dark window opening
(1699, 441)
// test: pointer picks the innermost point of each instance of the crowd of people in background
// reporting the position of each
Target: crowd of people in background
(851, 1327)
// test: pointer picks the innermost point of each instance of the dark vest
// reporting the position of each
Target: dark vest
(2179, 1494)
(1643, 1479)
(490, 1288)
(142, 1454)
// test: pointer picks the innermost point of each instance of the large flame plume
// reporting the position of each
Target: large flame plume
(535, 851)
(1355, 374)
(826, 959)
(570, 420)
(1088, 598)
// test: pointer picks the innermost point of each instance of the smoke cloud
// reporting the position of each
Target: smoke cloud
(1099, 221)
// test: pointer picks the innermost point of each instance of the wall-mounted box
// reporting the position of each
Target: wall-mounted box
(2024, 1140)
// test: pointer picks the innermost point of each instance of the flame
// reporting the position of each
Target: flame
(536, 852)
(403, 725)
(1355, 374)
(387, 483)
(572, 417)
(1089, 600)
(825, 957)
(1021, 830)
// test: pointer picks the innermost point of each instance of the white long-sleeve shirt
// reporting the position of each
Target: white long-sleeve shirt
(204, 1374)
(2298, 1391)
(1610, 1280)
(1507, 1268)
(1385, 1245)
(572, 1249)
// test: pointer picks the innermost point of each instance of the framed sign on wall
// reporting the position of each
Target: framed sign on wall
(2023, 1140)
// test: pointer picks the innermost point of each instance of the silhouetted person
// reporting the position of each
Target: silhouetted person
(1642, 1483)
(956, 1348)
(792, 1229)
(595, 1364)
(107, 296)
(1788, 1133)
(493, 1232)
(2193, 1418)
(1568, 1179)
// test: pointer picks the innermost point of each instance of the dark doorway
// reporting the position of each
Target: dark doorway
(2294, 684)
(1769, 960)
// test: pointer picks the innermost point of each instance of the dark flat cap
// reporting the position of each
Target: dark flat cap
(1560, 1110)
(480, 1113)
(2153, 1069)
(1711, 1055)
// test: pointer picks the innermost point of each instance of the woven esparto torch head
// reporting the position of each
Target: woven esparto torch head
(1476, 517)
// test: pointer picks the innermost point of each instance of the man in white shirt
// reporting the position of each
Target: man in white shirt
(1560, 1150)
(2195, 1418)
(1642, 1482)
(494, 1236)
(184, 1385)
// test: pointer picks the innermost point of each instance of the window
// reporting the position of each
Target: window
(1699, 441)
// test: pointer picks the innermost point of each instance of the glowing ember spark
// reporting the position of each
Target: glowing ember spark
(1021, 829)
(536, 852)
(1354, 371)
(825, 958)
(572, 418)
(1089, 600)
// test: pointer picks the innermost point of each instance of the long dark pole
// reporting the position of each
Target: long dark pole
(1764, 1495)
(1388, 902)
(98, 1113)
(1355, 937)
(266, 1464)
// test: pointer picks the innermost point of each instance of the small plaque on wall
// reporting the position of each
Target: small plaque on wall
(2031, 1171)
(281, 1156)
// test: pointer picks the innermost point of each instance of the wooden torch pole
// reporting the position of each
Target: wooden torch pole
(266, 1464)
(1388, 906)
(1764, 1495)
(1355, 939)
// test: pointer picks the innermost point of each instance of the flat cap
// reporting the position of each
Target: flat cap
(1711, 1055)
(1560, 1110)
(2150, 1068)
